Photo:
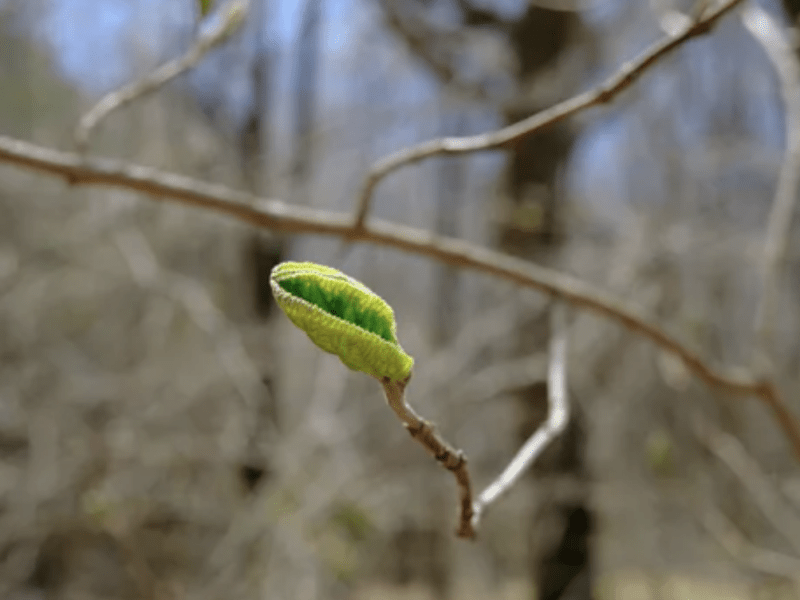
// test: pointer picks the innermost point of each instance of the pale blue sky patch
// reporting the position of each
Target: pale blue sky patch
(90, 41)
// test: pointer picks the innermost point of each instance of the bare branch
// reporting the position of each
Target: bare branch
(735, 543)
(227, 21)
(419, 37)
(453, 460)
(478, 333)
(501, 138)
(231, 352)
(508, 375)
(556, 422)
(767, 32)
(279, 216)
(770, 502)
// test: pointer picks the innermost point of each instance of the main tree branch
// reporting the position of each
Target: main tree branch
(279, 216)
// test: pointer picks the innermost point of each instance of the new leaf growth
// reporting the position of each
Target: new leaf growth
(342, 316)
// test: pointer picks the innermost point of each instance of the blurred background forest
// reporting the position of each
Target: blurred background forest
(166, 434)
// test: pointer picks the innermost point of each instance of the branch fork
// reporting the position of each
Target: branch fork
(455, 461)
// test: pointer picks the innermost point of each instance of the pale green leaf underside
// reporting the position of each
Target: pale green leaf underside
(342, 316)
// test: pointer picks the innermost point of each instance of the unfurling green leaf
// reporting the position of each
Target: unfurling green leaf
(342, 316)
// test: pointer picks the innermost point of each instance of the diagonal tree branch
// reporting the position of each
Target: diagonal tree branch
(278, 216)
(227, 21)
(501, 138)
(282, 217)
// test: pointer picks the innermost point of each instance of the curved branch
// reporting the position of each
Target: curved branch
(501, 138)
(279, 216)
(558, 414)
(228, 21)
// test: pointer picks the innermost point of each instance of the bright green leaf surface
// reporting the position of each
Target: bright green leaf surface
(342, 316)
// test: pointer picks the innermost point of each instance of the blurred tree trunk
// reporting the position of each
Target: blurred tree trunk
(539, 39)
(16, 58)
(254, 139)
(305, 90)
(792, 9)
(559, 534)
(448, 198)
(263, 250)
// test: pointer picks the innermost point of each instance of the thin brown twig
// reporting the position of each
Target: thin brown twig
(282, 217)
(501, 138)
(556, 422)
(453, 460)
(230, 18)
(767, 32)
(277, 216)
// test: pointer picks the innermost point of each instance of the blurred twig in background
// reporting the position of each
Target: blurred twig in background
(730, 451)
(224, 22)
(601, 94)
(737, 545)
(553, 425)
(767, 32)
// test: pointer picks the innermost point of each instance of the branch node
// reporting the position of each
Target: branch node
(452, 460)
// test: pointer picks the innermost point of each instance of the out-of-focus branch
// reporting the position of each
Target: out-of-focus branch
(231, 352)
(517, 373)
(279, 216)
(226, 21)
(767, 32)
(451, 459)
(478, 16)
(770, 502)
(501, 138)
(734, 542)
(477, 334)
(419, 39)
(556, 422)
